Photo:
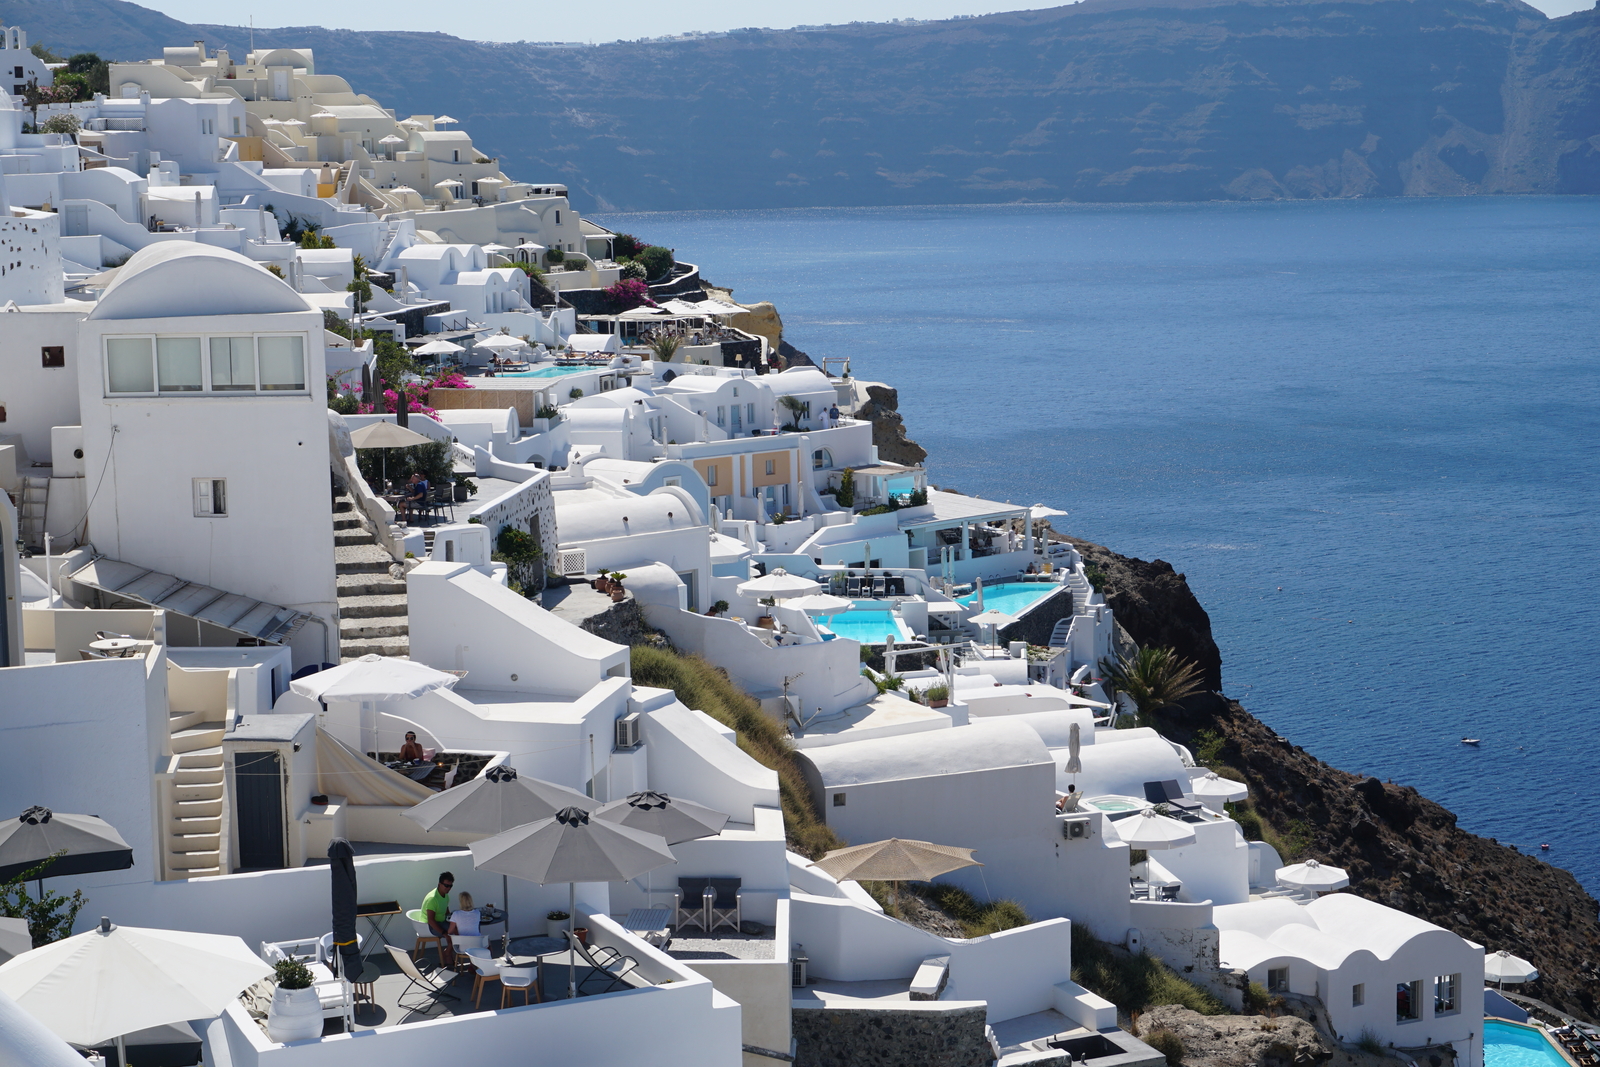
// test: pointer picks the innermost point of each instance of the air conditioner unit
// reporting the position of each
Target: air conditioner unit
(628, 732)
(1075, 829)
(799, 968)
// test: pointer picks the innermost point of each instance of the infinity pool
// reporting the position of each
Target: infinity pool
(545, 372)
(1010, 597)
(1510, 1045)
(868, 627)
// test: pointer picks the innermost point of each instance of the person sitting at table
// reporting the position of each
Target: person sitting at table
(436, 909)
(411, 751)
(416, 493)
(464, 920)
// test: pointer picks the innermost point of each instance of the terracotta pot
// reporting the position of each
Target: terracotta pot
(617, 596)
(582, 934)
(938, 703)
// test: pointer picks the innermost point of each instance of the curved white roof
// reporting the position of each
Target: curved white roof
(1324, 932)
(1384, 931)
(991, 744)
(595, 418)
(799, 380)
(1124, 767)
(597, 520)
(175, 279)
(1054, 726)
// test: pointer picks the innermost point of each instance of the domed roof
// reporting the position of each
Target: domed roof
(174, 279)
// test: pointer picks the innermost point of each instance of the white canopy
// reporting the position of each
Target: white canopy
(115, 980)
(1312, 875)
(820, 604)
(439, 348)
(443, 119)
(594, 342)
(391, 139)
(501, 342)
(780, 584)
(1503, 967)
(1211, 786)
(373, 678)
(1148, 830)
(1040, 511)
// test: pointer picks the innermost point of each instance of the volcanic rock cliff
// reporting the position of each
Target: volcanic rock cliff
(1400, 848)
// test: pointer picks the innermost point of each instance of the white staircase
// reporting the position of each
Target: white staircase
(35, 497)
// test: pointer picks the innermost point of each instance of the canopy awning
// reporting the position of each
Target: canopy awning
(128, 581)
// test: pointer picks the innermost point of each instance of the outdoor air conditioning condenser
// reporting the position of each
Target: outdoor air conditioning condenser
(1075, 829)
(628, 732)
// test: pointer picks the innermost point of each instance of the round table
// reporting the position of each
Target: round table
(115, 646)
(363, 982)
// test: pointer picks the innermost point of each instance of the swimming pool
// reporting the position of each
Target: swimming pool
(1010, 597)
(544, 372)
(868, 627)
(1510, 1045)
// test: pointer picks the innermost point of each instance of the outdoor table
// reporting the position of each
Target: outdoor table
(364, 981)
(490, 915)
(651, 924)
(118, 647)
(377, 915)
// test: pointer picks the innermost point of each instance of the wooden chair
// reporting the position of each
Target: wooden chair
(518, 979)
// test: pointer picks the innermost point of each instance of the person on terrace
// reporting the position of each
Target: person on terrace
(436, 909)
(411, 750)
(416, 492)
(464, 920)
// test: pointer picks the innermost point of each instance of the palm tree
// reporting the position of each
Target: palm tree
(665, 346)
(1156, 678)
(796, 409)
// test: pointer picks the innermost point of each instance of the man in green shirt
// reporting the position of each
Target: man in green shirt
(436, 909)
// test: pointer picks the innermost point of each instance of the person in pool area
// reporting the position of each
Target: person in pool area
(436, 910)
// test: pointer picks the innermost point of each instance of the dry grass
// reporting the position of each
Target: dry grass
(701, 686)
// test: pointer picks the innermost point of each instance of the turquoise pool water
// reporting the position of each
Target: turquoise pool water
(1010, 597)
(1508, 1045)
(868, 627)
(544, 372)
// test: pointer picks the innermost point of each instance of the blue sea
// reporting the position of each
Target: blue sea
(1368, 431)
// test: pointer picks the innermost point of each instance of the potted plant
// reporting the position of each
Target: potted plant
(555, 919)
(617, 592)
(602, 583)
(465, 487)
(296, 1012)
(938, 696)
(718, 608)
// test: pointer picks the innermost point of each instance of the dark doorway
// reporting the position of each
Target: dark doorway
(258, 789)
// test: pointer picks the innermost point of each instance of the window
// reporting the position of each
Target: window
(178, 365)
(750, 414)
(722, 415)
(210, 498)
(558, 220)
(1445, 989)
(53, 356)
(17, 72)
(770, 467)
(1408, 1001)
(838, 800)
(671, 481)
(821, 459)
(1358, 995)
(455, 157)
(1278, 980)
(283, 363)
(711, 474)
(236, 126)
(233, 365)
(129, 367)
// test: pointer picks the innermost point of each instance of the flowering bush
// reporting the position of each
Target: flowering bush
(628, 294)
(450, 380)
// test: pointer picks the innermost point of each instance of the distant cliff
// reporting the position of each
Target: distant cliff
(1400, 848)
(1105, 100)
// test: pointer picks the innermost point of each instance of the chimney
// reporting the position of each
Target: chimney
(200, 46)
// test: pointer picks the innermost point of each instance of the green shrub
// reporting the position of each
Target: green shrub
(50, 915)
(937, 692)
(554, 255)
(1256, 998)
(635, 271)
(1168, 1044)
(1134, 982)
(547, 412)
(890, 682)
(1368, 1042)
(576, 394)
(656, 261)
(1208, 747)
(1096, 577)
(291, 974)
(977, 918)
(846, 496)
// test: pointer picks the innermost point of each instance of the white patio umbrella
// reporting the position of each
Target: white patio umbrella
(115, 980)
(1312, 875)
(498, 801)
(995, 619)
(1147, 830)
(1074, 747)
(780, 585)
(1503, 967)
(572, 848)
(442, 119)
(391, 140)
(501, 342)
(439, 348)
(1041, 511)
(374, 677)
(490, 180)
(1211, 786)
(820, 604)
(386, 435)
(295, 122)
(449, 185)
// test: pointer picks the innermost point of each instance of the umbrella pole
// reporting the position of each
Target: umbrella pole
(505, 940)
(122, 1051)
(572, 938)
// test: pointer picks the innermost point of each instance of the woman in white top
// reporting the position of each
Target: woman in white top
(464, 920)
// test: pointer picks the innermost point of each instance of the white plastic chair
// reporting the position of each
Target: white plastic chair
(325, 947)
(518, 978)
(488, 969)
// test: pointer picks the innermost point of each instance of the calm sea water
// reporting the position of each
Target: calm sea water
(1368, 431)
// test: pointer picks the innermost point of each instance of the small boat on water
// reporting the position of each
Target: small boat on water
(1470, 741)
(1544, 847)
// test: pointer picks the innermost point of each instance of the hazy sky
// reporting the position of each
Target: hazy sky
(484, 21)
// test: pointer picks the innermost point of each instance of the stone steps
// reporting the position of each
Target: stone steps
(389, 605)
(361, 559)
(365, 585)
(373, 616)
(374, 646)
(382, 626)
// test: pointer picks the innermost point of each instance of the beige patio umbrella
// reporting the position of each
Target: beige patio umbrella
(995, 619)
(895, 860)
(387, 435)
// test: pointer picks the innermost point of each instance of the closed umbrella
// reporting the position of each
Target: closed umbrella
(1503, 967)
(1212, 786)
(1074, 745)
(820, 604)
(572, 848)
(895, 860)
(115, 980)
(90, 844)
(1147, 830)
(1312, 875)
(780, 585)
(346, 954)
(977, 592)
(498, 801)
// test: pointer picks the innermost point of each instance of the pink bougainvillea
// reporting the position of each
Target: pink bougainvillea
(630, 293)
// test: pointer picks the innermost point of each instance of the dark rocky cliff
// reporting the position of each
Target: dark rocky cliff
(1104, 101)
(1400, 848)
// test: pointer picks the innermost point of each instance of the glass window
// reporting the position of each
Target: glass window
(1444, 994)
(283, 362)
(722, 415)
(711, 474)
(1278, 980)
(233, 364)
(1407, 1001)
(129, 366)
(1358, 995)
(178, 364)
(769, 468)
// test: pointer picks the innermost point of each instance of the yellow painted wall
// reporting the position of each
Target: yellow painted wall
(780, 468)
(724, 468)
